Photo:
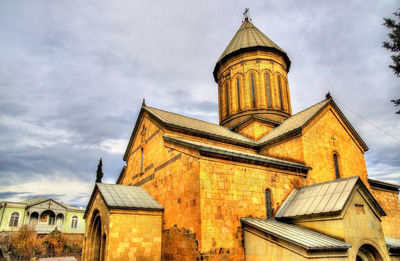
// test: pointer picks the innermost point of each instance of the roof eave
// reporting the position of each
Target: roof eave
(249, 49)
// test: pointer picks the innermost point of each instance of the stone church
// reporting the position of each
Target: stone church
(264, 184)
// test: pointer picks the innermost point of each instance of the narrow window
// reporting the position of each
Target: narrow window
(14, 219)
(238, 92)
(268, 89)
(253, 91)
(268, 203)
(336, 163)
(74, 222)
(227, 99)
(280, 91)
(141, 161)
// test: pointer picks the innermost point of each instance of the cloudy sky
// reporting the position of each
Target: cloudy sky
(73, 74)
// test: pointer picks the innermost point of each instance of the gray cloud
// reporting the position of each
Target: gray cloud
(73, 74)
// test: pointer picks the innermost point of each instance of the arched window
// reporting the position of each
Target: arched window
(14, 219)
(141, 160)
(336, 164)
(280, 91)
(253, 90)
(74, 222)
(268, 203)
(227, 98)
(238, 92)
(268, 89)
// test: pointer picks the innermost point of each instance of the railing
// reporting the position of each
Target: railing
(47, 228)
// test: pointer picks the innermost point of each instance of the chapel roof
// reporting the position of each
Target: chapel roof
(37, 200)
(327, 198)
(249, 37)
(305, 238)
(218, 150)
(127, 197)
(214, 131)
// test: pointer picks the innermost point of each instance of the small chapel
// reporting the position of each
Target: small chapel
(263, 184)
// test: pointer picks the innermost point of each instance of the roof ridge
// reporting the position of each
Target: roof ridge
(189, 117)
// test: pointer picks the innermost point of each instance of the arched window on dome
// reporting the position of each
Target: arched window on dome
(280, 91)
(253, 90)
(238, 92)
(14, 219)
(268, 89)
(336, 165)
(227, 99)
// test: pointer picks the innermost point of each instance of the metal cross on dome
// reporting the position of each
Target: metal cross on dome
(246, 14)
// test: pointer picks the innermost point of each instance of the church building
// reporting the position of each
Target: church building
(263, 184)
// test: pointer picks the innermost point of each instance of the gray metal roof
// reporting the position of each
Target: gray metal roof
(234, 153)
(299, 236)
(131, 197)
(384, 185)
(319, 198)
(392, 243)
(327, 198)
(212, 129)
(38, 200)
(248, 36)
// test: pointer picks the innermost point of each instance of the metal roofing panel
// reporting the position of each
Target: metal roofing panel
(302, 237)
(327, 197)
(122, 196)
(392, 243)
(197, 125)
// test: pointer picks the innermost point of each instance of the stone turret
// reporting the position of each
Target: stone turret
(252, 83)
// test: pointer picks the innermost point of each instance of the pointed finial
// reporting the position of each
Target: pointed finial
(99, 172)
(144, 103)
(246, 14)
(328, 95)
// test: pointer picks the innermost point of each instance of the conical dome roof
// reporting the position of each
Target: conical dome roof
(246, 38)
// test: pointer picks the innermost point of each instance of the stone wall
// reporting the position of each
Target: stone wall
(390, 203)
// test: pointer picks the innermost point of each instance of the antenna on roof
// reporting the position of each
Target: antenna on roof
(246, 14)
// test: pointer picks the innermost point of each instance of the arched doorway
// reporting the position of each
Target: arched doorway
(368, 253)
(96, 244)
(33, 219)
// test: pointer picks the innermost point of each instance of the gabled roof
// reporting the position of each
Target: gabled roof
(255, 158)
(327, 198)
(299, 236)
(384, 185)
(38, 200)
(299, 120)
(124, 197)
(249, 37)
(214, 131)
(199, 127)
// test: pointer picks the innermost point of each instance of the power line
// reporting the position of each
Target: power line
(372, 124)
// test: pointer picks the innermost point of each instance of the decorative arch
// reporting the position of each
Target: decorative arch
(279, 82)
(267, 79)
(368, 252)
(95, 241)
(33, 219)
(237, 87)
(48, 216)
(252, 78)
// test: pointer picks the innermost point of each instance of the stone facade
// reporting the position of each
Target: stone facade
(205, 191)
